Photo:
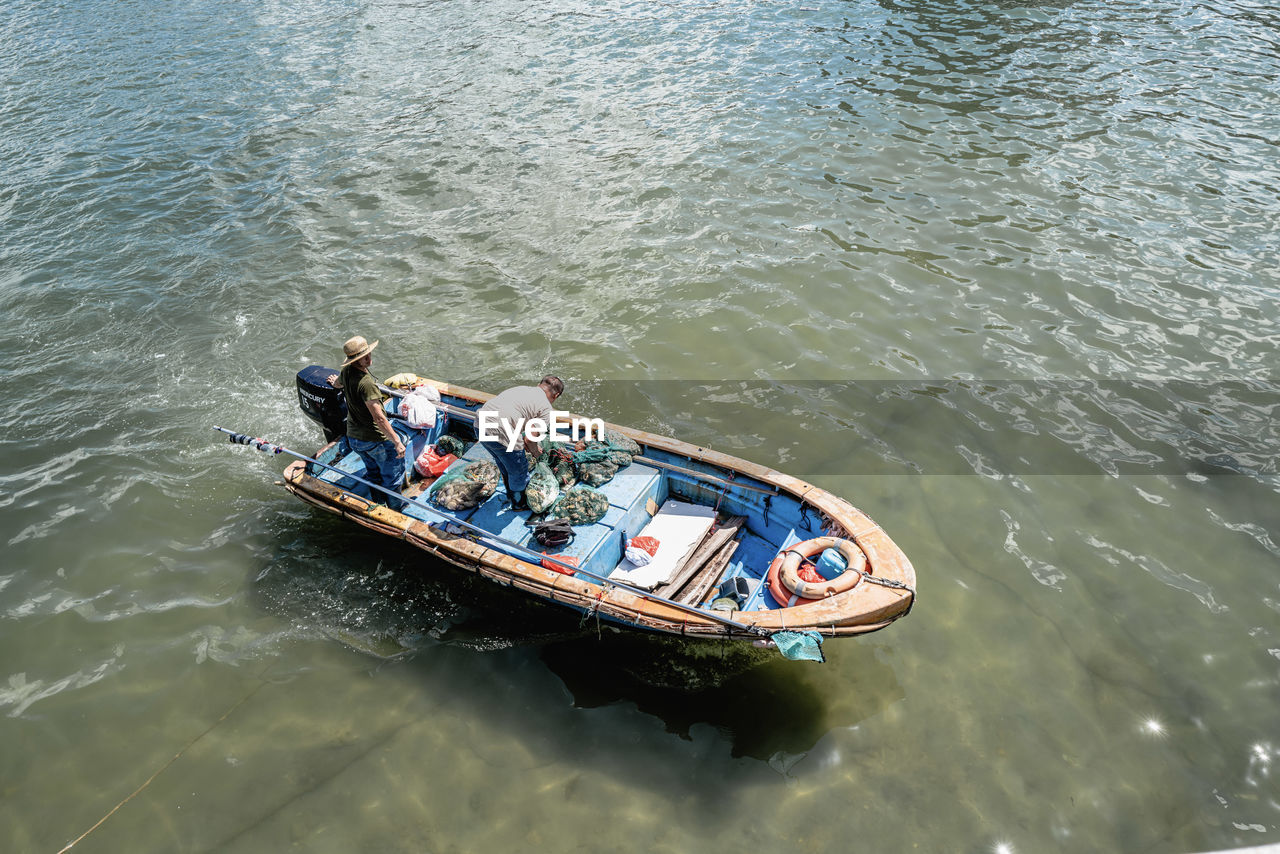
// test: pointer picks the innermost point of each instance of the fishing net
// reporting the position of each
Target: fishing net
(557, 457)
(622, 443)
(451, 445)
(598, 462)
(464, 487)
(596, 472)
(561, 463)
(543, 488)
(456, 472)
(581, 505)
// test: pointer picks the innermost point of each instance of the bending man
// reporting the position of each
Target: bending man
(511, 410)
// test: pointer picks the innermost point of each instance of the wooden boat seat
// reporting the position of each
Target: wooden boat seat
(599, 547)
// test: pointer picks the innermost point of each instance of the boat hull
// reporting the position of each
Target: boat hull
(885, 595)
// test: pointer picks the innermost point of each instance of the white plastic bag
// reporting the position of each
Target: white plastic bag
(418, 407)
(641, 550)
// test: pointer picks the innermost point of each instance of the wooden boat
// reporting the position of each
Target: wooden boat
(763, 520)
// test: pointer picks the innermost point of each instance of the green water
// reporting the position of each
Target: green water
(1003, 275)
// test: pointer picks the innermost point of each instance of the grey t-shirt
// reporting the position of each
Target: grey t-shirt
(515, 406)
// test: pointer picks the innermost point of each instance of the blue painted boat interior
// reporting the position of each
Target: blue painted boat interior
(774, 522)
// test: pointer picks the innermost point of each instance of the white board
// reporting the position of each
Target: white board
(678, 527)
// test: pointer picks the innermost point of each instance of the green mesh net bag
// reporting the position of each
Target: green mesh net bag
(451, 445)
(622, 443)
(581, 505)
(543, 489)
(596, 472)
(465, 486)
(561, 463)
(559, 460)
(598, 462)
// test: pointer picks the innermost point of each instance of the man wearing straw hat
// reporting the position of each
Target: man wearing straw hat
(369, 431)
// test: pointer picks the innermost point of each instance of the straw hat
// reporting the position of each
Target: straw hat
(356, 349)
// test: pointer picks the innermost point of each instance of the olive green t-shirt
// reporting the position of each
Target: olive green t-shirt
(359, 387)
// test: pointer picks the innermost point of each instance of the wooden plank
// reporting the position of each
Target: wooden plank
(710, 575)
(704, 551)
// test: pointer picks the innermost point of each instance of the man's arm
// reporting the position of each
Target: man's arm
(542, 414)
(384, 424)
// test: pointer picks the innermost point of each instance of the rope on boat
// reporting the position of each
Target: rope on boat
(889, 582)
(594, 610)
(896, 585)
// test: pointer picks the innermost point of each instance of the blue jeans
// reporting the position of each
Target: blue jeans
(415, 441)
(382, 467)
(514, 465)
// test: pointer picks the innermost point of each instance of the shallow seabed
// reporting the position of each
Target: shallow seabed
(1002, 274)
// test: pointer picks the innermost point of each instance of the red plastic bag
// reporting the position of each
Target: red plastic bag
(640, 550)
(808, 572)
(572, 561)
(649, 544)
(431, 463)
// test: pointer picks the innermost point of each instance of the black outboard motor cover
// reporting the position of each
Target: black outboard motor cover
(321, 402)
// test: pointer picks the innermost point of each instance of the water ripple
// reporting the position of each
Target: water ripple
(1023, 241)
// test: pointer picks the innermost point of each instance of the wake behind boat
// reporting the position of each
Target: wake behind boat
(743, 552)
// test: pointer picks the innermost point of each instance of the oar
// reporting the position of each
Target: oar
(272, 448)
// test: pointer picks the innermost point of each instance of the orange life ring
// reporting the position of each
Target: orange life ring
(788, 587)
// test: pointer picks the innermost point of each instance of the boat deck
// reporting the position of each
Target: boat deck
(634, 493)
(597, 547)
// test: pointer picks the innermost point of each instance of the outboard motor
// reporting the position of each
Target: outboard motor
(321, 402)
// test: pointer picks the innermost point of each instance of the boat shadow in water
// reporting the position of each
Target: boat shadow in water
(764, 708)
(385, 601)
